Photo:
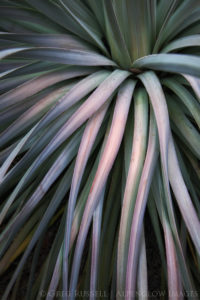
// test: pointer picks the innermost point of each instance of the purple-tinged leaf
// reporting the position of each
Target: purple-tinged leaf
(37, 84)
(63, 56)
(142, 280)
(195, 84)
(85, 148)
(106, 162)
(65, 41)
(4, 168)
(174, 284)
(94, 102)
(76, 93)
(35, 145)
(79, 209)
(56, 169)
(56, 276)
(55, 202)
(6, 52)
(182, 196)
(139, 210)
(140, 137)
(30, 116)
(96, 232)
(158, 101)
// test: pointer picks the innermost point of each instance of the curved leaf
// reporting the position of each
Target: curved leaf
(188, 41)
(140, 204)
(63, 56)
(106, 161)
(175, 63)
(140, 136)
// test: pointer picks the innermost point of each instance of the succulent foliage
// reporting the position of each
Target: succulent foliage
(100, 119)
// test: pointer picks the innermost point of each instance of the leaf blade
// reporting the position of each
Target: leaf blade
(175, 63)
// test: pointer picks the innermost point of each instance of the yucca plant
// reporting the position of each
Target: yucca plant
(100, 119)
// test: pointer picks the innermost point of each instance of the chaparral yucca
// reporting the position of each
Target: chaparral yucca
(100, 119)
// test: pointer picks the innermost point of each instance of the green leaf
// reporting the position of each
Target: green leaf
(165, 10)
(97, 8)
(4, 168)
(140, 205)
(30, 116)
(173, 272)
(96, 233)
(183, 197)
(152, 21)
(115, 37)
(156, 225)
(188, 41)
(36, 146)
(140, 136)
(83, 155)
(195, 84)
(142, 283)
(177, 20)
(85, 21)
(187, 130)
(66, 57)
(75, 94)
(173, 63)
(185, 97)
(56, 276)
(54, 12)
(86, 110)
(35, 85)
(138, 21)
(58, 196)
(53, 173)
(158, 101)
(181, 268)
(26, 20)
(66, 41)
(106, 161)
(110, 226)
(6, 52)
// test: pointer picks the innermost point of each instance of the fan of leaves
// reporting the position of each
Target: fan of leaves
(100, 118)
